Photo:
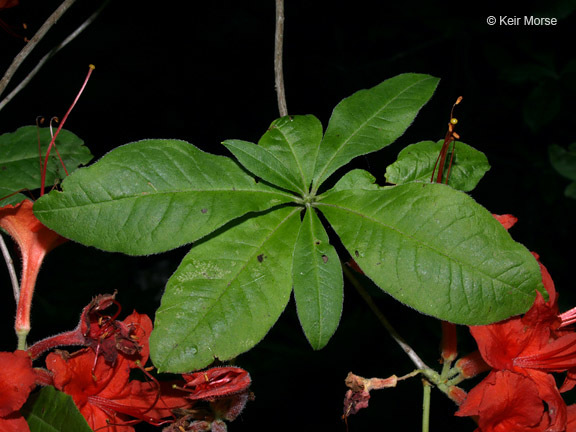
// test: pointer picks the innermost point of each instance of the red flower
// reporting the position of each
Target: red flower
(223, 393)
(103, 391)
(17, 379)
(34, 241)
(522, 352)
(107, 336)
(506, 402)
(216, 383)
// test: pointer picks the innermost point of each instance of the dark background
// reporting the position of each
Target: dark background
(203, 72)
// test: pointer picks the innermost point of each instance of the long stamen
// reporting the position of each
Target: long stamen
(450, 138)
(568, 317)
(39, 121)
(57, 120)
(43, 180)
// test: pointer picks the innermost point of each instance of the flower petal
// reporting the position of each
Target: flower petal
(505, 401)
(14, 423)
(17, 379)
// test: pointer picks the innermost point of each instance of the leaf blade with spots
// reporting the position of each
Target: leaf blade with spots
(436, 250)
(151, 196)
(227, 293)
(318, 283)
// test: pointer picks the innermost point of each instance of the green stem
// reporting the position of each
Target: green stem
(22, 335)
(426, 406)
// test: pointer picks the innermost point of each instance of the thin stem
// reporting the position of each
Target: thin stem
(21, 56)
(11, 270)
(278, 68)
(426, 406)
(51, 54)
(418, 362)
(70, 338)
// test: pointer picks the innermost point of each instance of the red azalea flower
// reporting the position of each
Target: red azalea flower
(222, 392)
(522, 352)
(103, 391)
(17, 379)
(106, 335)
(35, 241)
(215, 383)
(571, 425)
(506, 402)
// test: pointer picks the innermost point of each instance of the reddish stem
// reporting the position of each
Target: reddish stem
(69, 338)
(30, 268)
(34, 241)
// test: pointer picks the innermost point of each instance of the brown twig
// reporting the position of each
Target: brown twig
(278, 69)
(21, 56)
(51, 54)
(416, 360)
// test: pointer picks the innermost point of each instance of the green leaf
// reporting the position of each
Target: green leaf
(10, 197)
(370, 120)
(318, 283)
(151, 196)
(542, 105)
(417, 161)
(264, 164)
(356, 179)
(436, 250)
(20, 159)
(295, 141)
(52, 411)
(570, 190)
(227, 293)
(563, 160)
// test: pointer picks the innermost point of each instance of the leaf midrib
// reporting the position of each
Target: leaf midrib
(153, 194)
(229, 283)
(352, 135)
(459, 262)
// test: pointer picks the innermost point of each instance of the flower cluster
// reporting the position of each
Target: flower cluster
(522, 353)
(98, 378)
(99, 375)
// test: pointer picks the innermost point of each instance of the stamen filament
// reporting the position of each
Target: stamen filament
(52, 142)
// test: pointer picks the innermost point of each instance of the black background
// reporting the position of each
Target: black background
(203, 72)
